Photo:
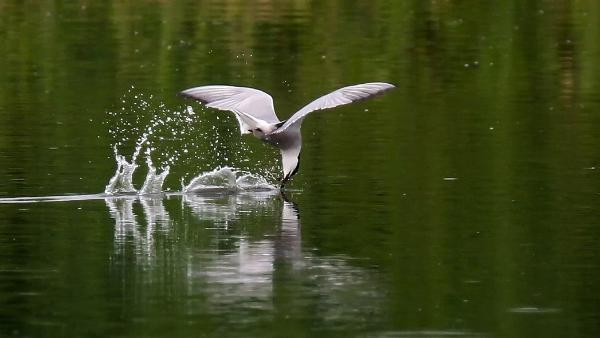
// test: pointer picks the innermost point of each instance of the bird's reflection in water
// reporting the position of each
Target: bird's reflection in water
(232, 253)
(128, 229)
(242, 273)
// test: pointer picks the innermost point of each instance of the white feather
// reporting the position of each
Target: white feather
(254, 111)
(248, 104)
(336, 98)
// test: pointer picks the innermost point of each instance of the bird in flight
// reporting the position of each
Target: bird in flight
(255, 113)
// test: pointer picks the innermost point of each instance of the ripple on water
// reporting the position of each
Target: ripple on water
(429, 333)
(533, 310)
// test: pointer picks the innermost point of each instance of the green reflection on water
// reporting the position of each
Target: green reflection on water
(465, 202)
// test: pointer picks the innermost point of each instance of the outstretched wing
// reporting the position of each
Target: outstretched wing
(248, 104)
(337, 98)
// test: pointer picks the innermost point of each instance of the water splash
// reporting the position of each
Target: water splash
(143, 122)
(121, 182)
(154, 182)
(180, 138)
(228, 179)
(220, 179)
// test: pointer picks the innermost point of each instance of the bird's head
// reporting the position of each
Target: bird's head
(261, 129)
(258, 132)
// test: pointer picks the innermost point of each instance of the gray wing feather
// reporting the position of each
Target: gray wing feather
(248, 101)
(337, 98)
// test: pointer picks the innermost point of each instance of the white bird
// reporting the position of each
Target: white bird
(255, 113)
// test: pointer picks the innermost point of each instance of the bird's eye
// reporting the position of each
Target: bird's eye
(260, 130)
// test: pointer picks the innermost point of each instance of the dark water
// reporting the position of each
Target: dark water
(464, 203)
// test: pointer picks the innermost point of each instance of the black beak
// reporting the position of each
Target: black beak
(283, 182)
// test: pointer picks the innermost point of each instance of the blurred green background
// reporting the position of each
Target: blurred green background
(465, 202)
